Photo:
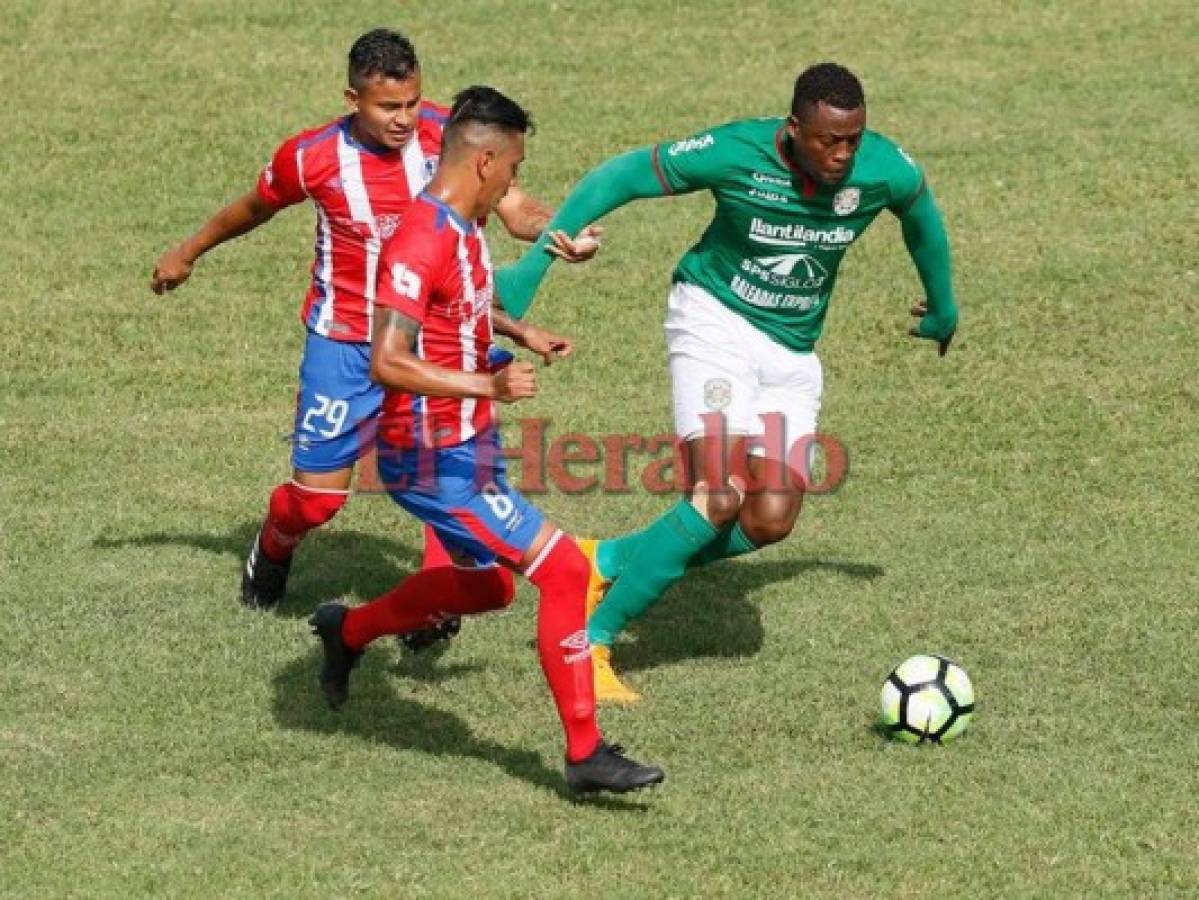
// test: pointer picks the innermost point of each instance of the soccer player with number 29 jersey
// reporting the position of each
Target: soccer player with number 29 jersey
(439, 449)
(361, 172)
(745, 311)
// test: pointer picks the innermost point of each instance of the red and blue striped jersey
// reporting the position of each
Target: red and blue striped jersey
(437, 271)
(360, 194)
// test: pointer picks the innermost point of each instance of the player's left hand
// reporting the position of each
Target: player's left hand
(581, 249)
(919, 311)
(546, 344)
(172, 269)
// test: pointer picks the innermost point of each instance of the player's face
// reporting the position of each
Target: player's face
(498, 167)
(825, 140)
(386, 110)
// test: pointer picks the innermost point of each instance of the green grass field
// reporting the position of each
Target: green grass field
(1026, 505)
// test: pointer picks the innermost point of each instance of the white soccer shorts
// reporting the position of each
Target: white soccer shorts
(720, 363)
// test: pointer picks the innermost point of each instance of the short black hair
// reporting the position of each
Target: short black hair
(826, 83)
(482, 105)
(381, 52)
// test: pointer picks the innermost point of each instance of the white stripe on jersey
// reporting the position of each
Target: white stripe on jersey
(420, 403)
(485, 258)
(324, 272)
(414, 167)
(466, 335)
(300, 169)
(354, 186)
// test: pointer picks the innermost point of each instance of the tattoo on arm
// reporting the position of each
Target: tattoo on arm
(537, 214)
(524, 216)
(392, 319)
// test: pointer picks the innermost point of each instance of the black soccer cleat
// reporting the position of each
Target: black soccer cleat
(608, 769)
(339, 659)
(424, 638)
(263, 581)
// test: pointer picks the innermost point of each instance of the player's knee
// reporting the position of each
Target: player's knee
(492, 588)
(319, 508)
(720, 506)
(562, 567)
(769, 516)
(304, 506)
(503, 589)
(768, 530)
(575, 569)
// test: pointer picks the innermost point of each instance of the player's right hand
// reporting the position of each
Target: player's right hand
(173, 268)
(516, 381)
(584, 246)
(919, 311)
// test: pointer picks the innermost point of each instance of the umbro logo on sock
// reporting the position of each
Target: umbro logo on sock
(578, 645)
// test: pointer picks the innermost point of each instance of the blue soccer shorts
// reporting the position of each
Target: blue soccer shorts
(464, 494)
(337, 407)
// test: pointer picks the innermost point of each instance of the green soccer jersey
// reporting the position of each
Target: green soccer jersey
(776, 240)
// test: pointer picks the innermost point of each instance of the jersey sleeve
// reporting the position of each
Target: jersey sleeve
(411, 265)
(280, 184)
(905, 181)
(695, 163)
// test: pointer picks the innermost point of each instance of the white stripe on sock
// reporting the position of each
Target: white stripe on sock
(545, 551)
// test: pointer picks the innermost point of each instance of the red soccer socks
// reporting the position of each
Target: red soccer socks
(560, 573)
(426, 597)
(295, 510)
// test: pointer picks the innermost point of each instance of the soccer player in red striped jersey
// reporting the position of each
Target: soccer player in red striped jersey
(439, 449)
(361, 172)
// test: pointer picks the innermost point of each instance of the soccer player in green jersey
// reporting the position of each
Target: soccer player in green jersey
(746, 308)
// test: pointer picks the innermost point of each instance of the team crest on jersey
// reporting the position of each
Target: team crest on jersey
(431, 165)
(470, 311)
(846, 201)
(718, 393)
(387, 225)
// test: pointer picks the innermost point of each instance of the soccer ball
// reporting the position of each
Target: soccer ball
(927, 698)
